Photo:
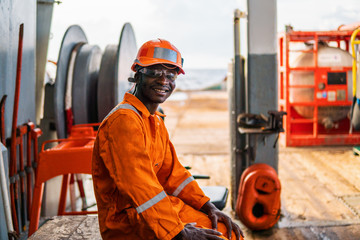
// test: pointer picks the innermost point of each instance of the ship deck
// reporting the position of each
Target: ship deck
(320, 185)
(320, 195)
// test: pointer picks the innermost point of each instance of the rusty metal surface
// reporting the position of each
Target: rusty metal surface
(88, 229)
(69, 227)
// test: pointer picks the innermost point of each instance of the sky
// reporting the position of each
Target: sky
(201, 29)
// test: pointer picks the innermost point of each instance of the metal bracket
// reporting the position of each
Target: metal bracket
(252, 123)
(240, 14)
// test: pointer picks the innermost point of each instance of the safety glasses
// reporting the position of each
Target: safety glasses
(157, 73)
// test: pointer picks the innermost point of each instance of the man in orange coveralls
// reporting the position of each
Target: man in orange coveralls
(142, 190)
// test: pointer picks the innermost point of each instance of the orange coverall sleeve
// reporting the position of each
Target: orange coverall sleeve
(124, 154)
(178, 182)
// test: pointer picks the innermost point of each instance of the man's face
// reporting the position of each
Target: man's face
(156, 83)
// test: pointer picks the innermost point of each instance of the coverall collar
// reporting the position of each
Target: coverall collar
(131, 99)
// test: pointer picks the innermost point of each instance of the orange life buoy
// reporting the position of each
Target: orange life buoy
(258, 203)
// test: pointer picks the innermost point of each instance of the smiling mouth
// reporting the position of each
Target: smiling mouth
(160, 90)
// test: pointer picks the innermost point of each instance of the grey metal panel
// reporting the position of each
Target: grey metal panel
(43, 22)
(5, 56)
(3, 226)
(262, 75)
(262, 26)
(73, 35)
(262, 98)
(262, 83)
(12, 14)
(84, 90)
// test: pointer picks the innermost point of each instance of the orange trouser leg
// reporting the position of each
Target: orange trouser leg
(189, 215)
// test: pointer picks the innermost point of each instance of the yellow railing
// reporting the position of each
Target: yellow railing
(354, 65)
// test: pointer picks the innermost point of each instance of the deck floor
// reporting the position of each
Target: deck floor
(320, 185)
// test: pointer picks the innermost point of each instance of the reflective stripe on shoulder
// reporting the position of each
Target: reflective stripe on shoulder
(151, 202)
(123, 106)
(183, 185)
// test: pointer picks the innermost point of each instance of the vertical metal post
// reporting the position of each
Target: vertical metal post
(44, 11)
(5, 193)
(237, 106)
(15, 201)
(262, 76)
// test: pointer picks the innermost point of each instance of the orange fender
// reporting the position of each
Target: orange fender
(258, 202)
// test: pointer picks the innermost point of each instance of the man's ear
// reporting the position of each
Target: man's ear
(134, 79)
(137, 77)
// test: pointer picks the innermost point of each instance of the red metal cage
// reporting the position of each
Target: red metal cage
(325, 92)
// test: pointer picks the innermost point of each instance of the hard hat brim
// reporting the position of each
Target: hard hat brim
(150, 62)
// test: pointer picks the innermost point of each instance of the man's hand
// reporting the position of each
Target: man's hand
(190, 232)
(215, 215)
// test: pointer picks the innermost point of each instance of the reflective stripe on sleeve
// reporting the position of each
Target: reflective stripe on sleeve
(165, 53)
(123, 106)
(151, 202)
(183, 185)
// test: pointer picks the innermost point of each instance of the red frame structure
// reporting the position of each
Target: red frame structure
(72, 155)
(300, 131)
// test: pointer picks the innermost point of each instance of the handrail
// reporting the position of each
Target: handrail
(354, 68)
(65, 140)
(87, 125)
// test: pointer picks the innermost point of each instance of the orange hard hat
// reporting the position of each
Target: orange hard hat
(158, 51)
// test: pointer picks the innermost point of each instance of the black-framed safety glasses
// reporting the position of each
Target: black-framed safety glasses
(169, 74)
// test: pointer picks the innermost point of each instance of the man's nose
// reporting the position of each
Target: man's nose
(162, 79)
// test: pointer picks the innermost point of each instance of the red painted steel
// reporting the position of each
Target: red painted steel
(21, 132)
(301, 131)
(258, 204)
(70, 156)
(14, 194)
(31, 147)
(2, 119)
